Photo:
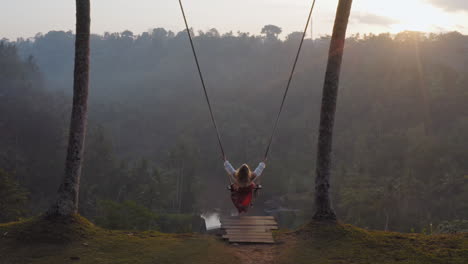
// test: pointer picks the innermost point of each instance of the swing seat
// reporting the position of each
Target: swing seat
(243, 197)
(258, 187)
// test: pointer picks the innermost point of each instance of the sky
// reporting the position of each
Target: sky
(25, 18)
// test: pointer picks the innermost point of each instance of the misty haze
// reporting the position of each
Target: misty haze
(142, 176)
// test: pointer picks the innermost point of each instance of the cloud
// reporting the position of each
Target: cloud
(373, 19)
(450, 5)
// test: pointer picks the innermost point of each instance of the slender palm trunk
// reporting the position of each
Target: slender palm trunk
(324, 211)
(67, 201)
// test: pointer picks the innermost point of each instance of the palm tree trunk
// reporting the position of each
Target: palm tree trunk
(323, 210)
(67, 201)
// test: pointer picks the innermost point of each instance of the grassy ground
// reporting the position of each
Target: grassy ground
(75, 240)
(78, 241)
(338, 243)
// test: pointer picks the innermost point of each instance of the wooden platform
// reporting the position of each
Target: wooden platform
(249, 229)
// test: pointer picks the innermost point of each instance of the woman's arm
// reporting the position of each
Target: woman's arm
(258, 171)
(230, 170)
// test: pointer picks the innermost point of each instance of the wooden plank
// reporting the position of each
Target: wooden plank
(253, 229)
(250, 231)
(266, 227)
(258, 228)
(247, 220)
(262, 227)
(247, 230)
(248, 226)
(250, 221)
(248, 236)
(252, 217)
(257, 216)
(231, 226)
(252, 240)
(269, 227)
(245, 236)
(258, 223)
(249, 217)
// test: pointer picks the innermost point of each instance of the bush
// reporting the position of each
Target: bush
(452, 227)
(131, 216)
(128, 215)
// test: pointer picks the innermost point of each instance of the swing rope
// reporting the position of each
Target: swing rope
(275, 127)
(202, 82)
(267, 151)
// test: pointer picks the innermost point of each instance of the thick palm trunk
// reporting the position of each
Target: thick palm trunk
(324, 211)
(67, 201)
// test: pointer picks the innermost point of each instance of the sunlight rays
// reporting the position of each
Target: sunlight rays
(414, 15)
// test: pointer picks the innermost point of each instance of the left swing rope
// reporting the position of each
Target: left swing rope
(202, 81)
(213, 120)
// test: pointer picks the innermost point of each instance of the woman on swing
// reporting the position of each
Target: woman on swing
(243, 184)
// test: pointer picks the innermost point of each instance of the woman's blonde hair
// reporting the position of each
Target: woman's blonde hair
(243, 175)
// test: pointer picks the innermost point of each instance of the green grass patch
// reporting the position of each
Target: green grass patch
(76, 240)
(338, 243)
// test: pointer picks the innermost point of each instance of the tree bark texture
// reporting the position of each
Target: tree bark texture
(67, 200)
(323, 208)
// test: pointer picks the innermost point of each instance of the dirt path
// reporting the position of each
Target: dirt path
(262, 253)
(256, 254)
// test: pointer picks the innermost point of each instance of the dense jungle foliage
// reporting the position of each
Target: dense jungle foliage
(400, 146)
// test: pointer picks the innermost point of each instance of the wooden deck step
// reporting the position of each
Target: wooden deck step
(252, 240)
(248, 220)
(248, 236)
(255, 223)
(267, 217)
(249, 229)
(267, 227)
(252, 231)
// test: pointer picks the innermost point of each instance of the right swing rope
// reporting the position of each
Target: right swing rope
(275, 127)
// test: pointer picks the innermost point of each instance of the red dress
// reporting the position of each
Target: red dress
(242, 198)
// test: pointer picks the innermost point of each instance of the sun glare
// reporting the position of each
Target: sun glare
(414, 15)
